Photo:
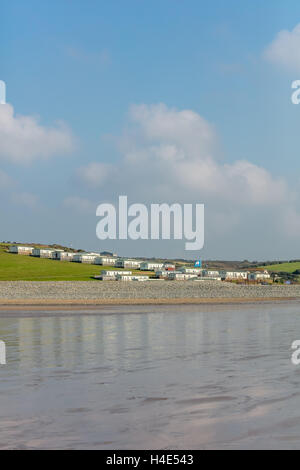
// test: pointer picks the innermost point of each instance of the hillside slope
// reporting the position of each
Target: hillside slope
(26, 268)
(283, 267)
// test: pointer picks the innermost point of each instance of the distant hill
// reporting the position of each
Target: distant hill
(287, 267)
(55, 246)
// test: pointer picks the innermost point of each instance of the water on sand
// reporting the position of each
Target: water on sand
(175, 377)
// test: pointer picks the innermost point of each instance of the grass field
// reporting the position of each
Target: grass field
(283, 267)
(26, 268)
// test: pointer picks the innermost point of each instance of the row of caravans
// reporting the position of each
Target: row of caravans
(50, 253)
(207, 274)
(21, 250)
(91, 258)
(115, 275)
(228, 275)
(186, 274)
(162, 270)
(40, 252)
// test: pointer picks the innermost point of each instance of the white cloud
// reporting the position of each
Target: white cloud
(172, 156)
(23, 139)
(284, 49)
(175, 152)
(172, 152)
(170, 126)
(96, 175)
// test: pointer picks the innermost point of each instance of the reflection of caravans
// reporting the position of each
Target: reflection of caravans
(47, 343)
(21, 250)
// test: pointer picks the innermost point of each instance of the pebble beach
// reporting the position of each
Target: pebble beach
(153, 292)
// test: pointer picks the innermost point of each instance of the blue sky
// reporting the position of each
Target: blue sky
(86, 63)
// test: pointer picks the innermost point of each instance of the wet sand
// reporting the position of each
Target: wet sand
(33, 304)
(151, 377)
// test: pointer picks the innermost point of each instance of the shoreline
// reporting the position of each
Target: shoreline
(77, 304)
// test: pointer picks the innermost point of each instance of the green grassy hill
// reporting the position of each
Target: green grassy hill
(283, 267)
(26, 268)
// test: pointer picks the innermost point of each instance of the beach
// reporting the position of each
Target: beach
(151, 377)
(72, 293)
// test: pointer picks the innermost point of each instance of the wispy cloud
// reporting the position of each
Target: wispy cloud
(23, 139)
(284, 49)
(172, 155)
(96, 174)
(173, 152)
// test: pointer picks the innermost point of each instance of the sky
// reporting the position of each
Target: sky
(174, 101)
